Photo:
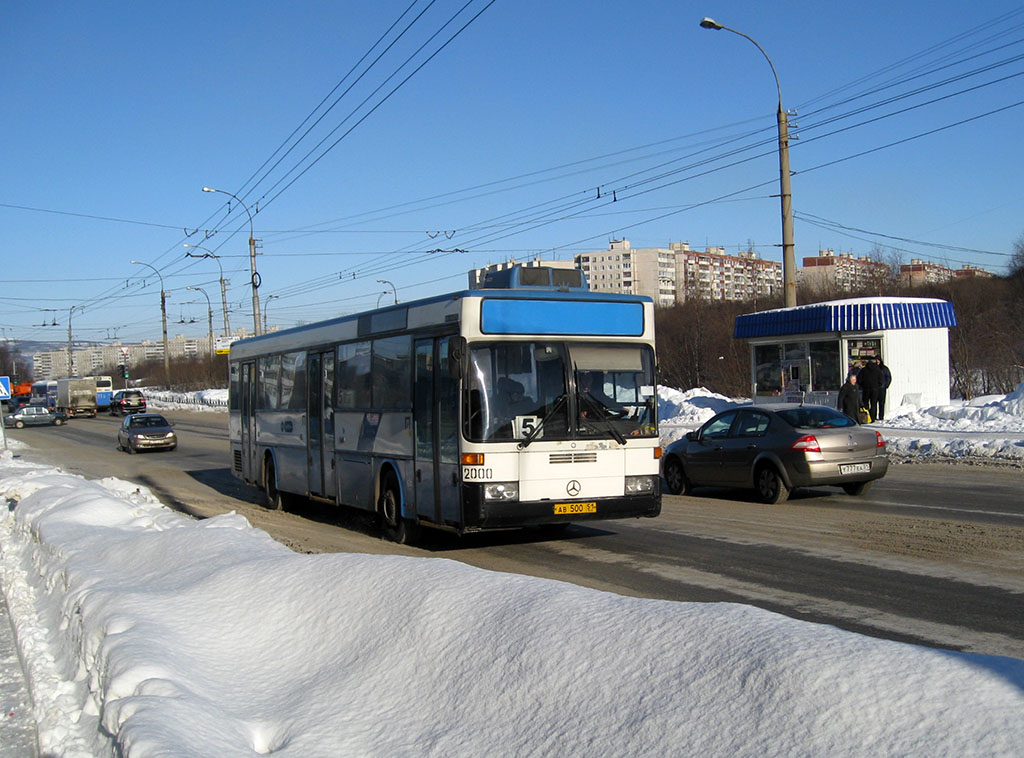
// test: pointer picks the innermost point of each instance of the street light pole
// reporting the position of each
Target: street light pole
(785, 191)
(255, 281)
(269, 298)
(209, 313)
(163, 318)
(223, 287)
(395, 291)
(70, 361)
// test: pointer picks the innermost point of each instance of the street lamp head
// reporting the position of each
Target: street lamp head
(710, 23)
(208, 189)
(134, 262)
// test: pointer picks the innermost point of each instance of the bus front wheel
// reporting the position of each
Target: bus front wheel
(397, 529)
(275, 498)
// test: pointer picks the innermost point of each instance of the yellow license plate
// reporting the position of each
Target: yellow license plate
(568, 509)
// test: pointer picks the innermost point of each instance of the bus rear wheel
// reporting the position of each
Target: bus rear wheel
(395, 528)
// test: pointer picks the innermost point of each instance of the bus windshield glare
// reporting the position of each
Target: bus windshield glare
(556, 391)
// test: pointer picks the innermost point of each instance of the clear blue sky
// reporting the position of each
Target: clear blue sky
(117, 114)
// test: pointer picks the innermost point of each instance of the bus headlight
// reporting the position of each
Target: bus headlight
(640, 485)
(501, 491)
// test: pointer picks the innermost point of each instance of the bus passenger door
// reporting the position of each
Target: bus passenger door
(427, 505)
(320, 424)
(435, 416)
(247, 433)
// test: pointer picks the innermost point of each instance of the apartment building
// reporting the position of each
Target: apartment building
(670, 275)
(844, 272)
(714, 275)
(919, 272)
(95, 359)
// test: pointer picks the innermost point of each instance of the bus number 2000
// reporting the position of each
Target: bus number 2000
(480, 474)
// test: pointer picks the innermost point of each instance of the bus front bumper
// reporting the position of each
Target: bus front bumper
(489, 514)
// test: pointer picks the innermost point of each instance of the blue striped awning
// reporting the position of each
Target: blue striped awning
(847, 316)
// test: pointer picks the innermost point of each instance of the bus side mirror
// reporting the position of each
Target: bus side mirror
(458, 357)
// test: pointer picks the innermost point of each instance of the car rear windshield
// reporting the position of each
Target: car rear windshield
(815, 417)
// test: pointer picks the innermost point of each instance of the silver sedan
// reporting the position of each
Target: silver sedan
(146, 431)
(776, 448)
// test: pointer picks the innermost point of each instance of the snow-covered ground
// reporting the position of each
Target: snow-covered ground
(144, 632)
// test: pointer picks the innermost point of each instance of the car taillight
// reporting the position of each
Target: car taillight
(880, 440)
(807, 443)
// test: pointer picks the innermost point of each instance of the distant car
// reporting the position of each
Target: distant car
(127, 401)
(34, 415)
(774, 449)
(146, 431)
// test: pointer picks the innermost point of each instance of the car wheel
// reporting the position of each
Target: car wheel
(396, 528)
(132, 450)
(675, 477)
(58, 421)
(859, 488)
(19, 424)
(770, 487)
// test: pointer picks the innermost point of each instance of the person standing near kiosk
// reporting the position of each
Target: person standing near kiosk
(886, 381)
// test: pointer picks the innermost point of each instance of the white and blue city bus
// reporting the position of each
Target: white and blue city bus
(104, 392)
(481, 409)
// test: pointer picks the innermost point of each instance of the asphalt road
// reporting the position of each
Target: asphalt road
(934, 554)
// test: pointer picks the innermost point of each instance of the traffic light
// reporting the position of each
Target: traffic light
(123, 370)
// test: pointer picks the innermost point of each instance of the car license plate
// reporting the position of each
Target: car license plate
(569, 509)
(855, 468)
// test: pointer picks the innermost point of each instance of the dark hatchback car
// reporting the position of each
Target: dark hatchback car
(34, 415)
(774, 449)
(146, 431)
(127, 401)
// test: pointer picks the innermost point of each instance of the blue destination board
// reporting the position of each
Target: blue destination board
(562, 317)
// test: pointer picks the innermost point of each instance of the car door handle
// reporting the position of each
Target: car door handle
(752, 446)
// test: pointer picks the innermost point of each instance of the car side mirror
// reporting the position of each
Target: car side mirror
(693, 436)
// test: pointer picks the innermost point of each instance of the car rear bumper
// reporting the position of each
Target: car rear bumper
(811, 473)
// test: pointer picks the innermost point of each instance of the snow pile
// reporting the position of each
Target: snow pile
(989, 428)
(214, 400)
(680, 412)
(1003, 413)
(207, 638)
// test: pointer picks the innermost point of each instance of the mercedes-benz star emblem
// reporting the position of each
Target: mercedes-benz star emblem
(573, 488)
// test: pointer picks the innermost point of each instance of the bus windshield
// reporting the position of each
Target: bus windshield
(556, 391)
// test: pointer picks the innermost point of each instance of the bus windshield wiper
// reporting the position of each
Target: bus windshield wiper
(560, 402)
(602, 416)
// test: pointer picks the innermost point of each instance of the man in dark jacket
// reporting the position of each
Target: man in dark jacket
(886, 381)
(870, 380)
(849, 397)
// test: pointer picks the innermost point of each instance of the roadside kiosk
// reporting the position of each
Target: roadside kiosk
(803, 354)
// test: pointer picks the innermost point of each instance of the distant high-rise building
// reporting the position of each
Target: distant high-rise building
(919, 272)
(673, 274)
(843, 273)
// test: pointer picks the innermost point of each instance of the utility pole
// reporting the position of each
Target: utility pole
(163, 319)
(223, 286)
(255, 276)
